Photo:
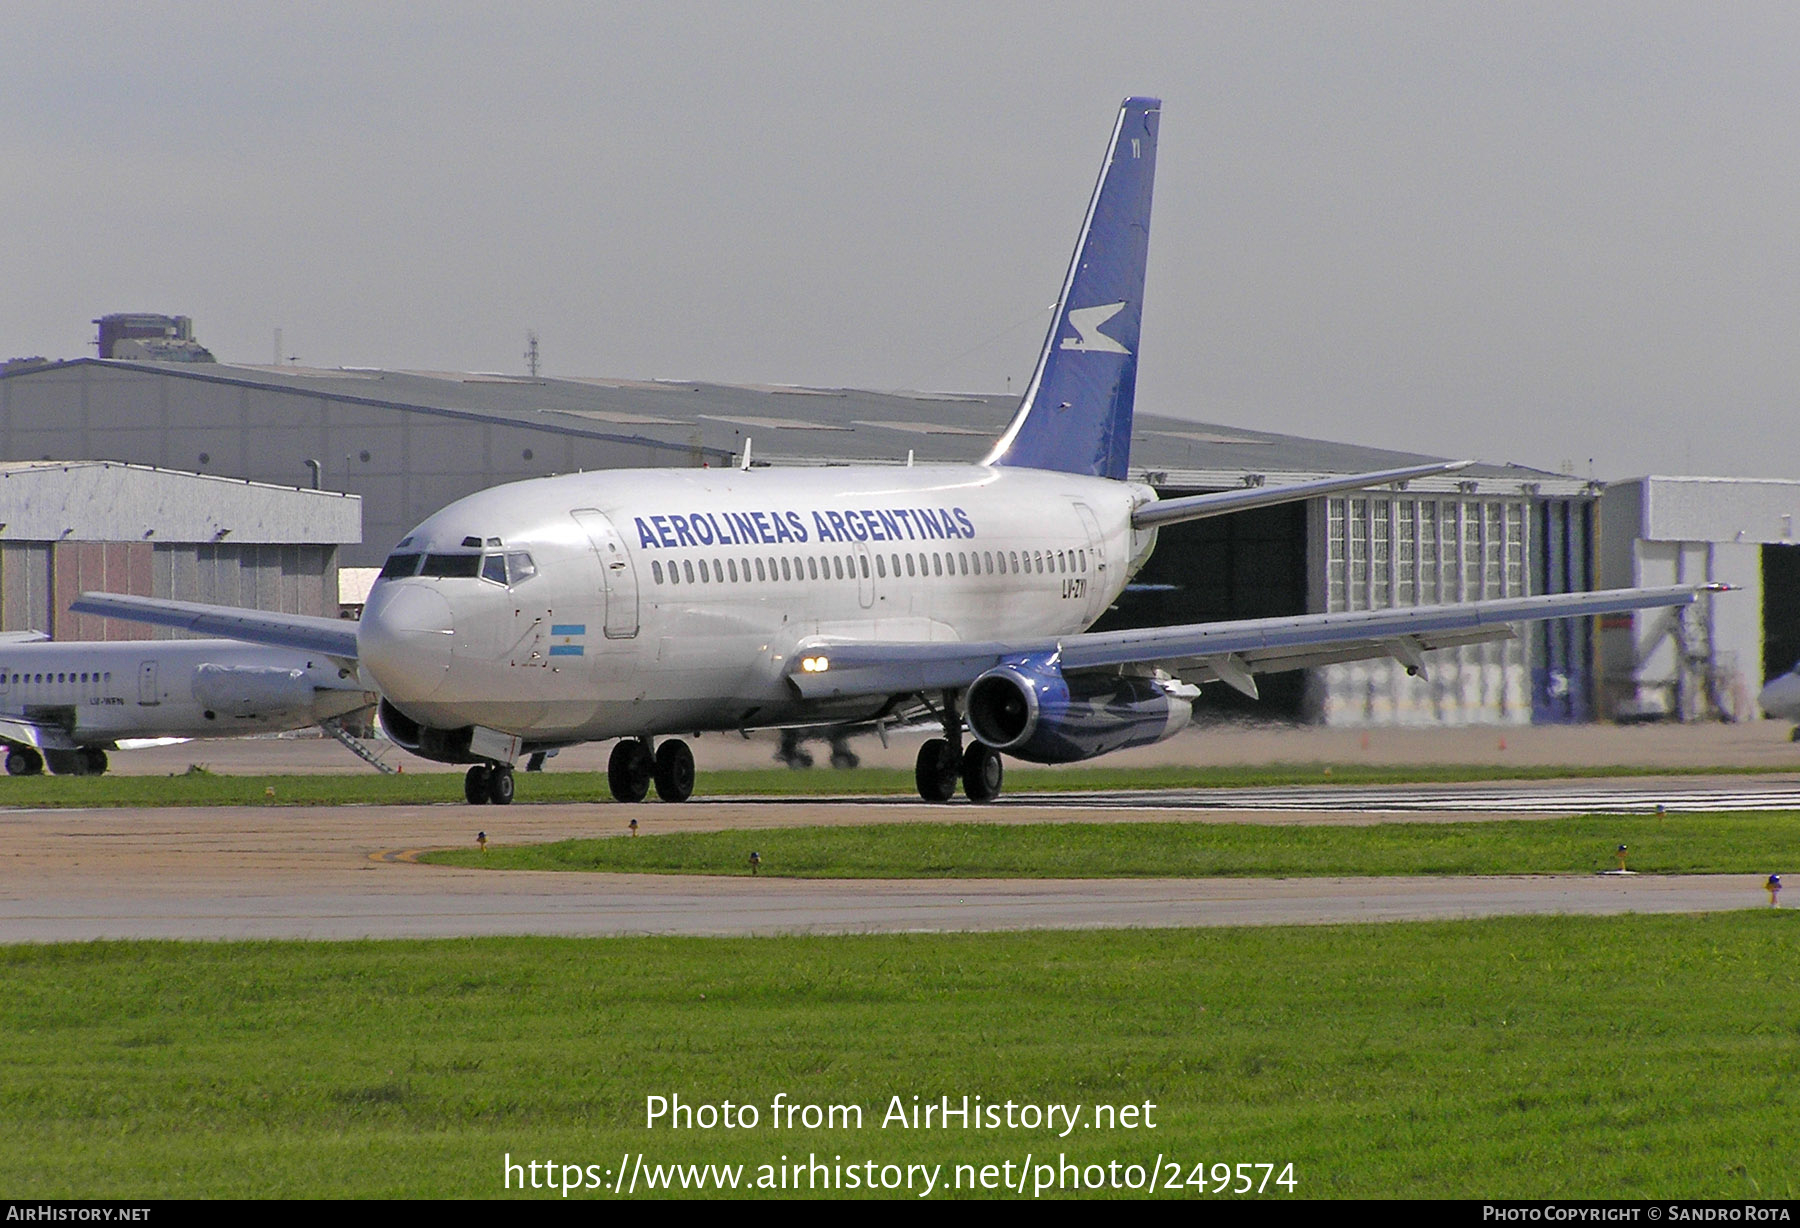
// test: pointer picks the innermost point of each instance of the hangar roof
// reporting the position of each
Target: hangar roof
(1699, 509)
(787, 424)
(109, 501)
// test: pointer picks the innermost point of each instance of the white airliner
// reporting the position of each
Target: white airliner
(66, 703)
(1780, 698)
(641, 603)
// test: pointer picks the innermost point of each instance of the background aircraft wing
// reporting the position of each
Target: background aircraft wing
(335, 637)
(31, 733)
(1231, 652)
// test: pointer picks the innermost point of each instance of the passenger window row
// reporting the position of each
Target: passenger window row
(849, 566)
(40, 679)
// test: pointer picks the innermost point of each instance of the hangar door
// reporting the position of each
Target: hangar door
(1781, 609)
(1245, 565)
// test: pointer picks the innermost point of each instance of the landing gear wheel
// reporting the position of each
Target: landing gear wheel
(791, 752)
(628, 771)
(674, 771)
(981, 773)
(475, 785)
(500, 786)
(935, 772)
(23, 761)
(1792, 737)
(843, 757)
(93, 761)
(65, 762)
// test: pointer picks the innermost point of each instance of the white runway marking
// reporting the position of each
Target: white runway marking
(1627, 796)
(1624, 797)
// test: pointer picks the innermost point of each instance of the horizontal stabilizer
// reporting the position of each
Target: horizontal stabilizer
(335, 637)
(1198, 507)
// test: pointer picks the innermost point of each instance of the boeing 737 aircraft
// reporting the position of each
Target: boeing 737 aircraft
(68, 702)
(641, 603)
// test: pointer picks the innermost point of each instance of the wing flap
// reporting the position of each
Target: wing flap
(1203, 669)
(334, 637)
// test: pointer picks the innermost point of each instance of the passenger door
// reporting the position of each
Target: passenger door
(618, 578)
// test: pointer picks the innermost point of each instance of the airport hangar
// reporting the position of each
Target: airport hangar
(74, 525)
(408, 442)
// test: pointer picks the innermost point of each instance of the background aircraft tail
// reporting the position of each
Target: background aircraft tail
(1075, 416)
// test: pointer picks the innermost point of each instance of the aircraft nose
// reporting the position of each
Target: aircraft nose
(404, 638)
(1781, 698)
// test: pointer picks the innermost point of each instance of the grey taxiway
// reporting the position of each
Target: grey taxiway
(348, 872)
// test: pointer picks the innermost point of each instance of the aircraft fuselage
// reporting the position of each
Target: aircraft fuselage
(637, 602)
(96, 693)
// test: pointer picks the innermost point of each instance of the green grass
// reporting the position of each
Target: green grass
(202, 788)
(1759, 842)
(1626, 1057)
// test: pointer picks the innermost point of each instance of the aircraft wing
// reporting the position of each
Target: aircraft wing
(1231, 652)
(335, 637)
(31, 733)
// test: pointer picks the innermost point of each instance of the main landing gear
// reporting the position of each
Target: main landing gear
(943, 761)
(488, 782)
(633, 769)
(23, 761)
(83, 761)
(794, 754)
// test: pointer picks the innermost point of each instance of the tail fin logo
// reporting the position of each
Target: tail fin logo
(1087, 322)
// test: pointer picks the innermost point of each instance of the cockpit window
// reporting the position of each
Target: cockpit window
(452, 566)
(513, 568)
(399, 565)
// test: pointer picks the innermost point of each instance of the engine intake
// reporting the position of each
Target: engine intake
(1031, 710)
(441, 745)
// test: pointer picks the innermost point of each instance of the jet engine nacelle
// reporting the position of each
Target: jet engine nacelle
(442, 745)
(1030, 710)
(241, 690)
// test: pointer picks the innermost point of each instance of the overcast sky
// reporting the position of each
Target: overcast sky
(1548, 233)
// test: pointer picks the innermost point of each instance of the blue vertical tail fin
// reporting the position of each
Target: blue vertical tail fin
(1075, 416)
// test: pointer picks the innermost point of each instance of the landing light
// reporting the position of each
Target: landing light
(815, 665)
